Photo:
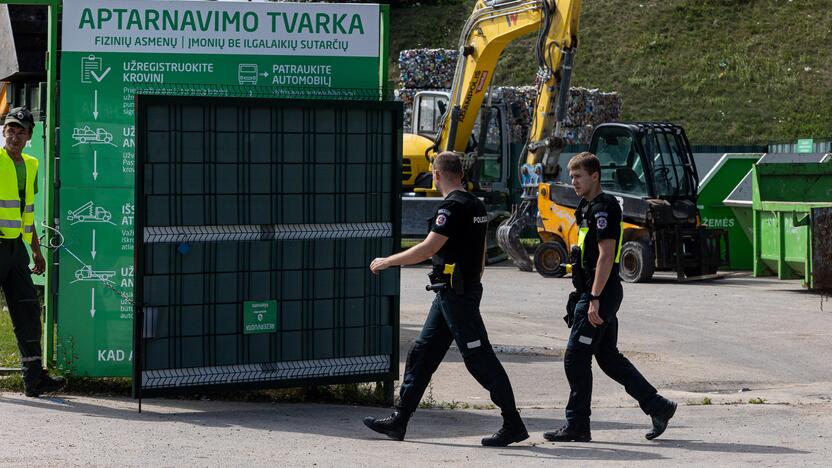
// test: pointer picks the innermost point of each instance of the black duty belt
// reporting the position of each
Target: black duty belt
(446, 277)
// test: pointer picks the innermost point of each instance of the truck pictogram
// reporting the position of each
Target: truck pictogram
(86, 273)
(86, 135)
(89, 213)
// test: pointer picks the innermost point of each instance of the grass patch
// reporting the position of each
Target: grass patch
(364, 394)
(408, 243)
(429, 402)
(731, 72)
(704, 402)
(8, 344)
(757, 401)
(458, 405)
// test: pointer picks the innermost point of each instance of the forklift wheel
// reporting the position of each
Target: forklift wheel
(549, 258)
(637, 262)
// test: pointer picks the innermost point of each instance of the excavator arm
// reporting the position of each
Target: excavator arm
(491, 27)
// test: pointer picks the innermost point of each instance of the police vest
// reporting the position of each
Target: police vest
(12, 223)
(583, 231)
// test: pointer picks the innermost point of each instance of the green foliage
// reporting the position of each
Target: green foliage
(8, 344)
(730, 71)
(703, 402)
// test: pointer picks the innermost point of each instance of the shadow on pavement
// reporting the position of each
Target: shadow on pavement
(322, 419)
(738, 280)
(428, 427)
(723, 447)
(727, 447)
(552, 452)
(587, 452)
(602, 451)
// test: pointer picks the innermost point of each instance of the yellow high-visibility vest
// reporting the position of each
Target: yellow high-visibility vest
(12, 224)
(583, 231)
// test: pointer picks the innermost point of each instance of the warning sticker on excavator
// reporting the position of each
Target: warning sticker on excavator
(481, 83)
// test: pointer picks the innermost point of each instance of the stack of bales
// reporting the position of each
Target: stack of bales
(423, 70)
(433, 69)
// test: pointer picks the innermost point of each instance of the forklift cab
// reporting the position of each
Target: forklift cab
(645, 160)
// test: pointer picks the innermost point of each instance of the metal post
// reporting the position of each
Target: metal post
(388, 387)
(51, 174)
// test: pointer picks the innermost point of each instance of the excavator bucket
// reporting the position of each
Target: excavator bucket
(508, 235)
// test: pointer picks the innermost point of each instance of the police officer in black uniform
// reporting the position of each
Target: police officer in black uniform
(456, 245)
(593, 320)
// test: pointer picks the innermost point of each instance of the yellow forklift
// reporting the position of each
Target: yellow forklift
(649, 168)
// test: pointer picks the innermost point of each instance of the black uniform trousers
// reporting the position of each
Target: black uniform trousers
(457, 318)
(602, 342)
(24, 307)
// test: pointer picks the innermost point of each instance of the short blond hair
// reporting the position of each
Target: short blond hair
(586, 161)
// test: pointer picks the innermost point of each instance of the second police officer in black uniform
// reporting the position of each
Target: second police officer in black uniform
(593, 316)
(456, 244)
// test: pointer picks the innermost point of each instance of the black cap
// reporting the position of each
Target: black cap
(22, 117)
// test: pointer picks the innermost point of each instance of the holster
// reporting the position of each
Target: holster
(578, 282)
(571, 303)
(446, 277)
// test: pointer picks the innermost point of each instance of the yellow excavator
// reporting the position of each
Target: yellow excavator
(649, 167)
(459, 121)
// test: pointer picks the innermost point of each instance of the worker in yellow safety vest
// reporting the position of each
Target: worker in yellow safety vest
(18, 185)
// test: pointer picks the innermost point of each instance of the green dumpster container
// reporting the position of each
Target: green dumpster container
(791, 204)
(740, 200)
(714, 188)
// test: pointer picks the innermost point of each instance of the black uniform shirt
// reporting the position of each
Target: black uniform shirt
(462, 218)
(603, 218)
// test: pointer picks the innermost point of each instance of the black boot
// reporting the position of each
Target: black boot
(393, 426)
(513, 430)
(660, 419)
(35, 387)
(567, 434)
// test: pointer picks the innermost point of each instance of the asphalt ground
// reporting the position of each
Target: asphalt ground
(746, 359)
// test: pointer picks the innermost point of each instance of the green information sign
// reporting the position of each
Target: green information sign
(259, 317)
(805, 145)
(113, 50)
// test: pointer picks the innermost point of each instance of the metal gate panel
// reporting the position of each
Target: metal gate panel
(256, 220)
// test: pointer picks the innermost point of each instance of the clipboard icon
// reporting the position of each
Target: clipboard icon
(90, 65)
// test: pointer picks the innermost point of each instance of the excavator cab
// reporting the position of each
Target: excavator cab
(649, 168)
(486, 155)
(487, 163)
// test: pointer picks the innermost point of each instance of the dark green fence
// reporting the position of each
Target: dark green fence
(257, 219)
